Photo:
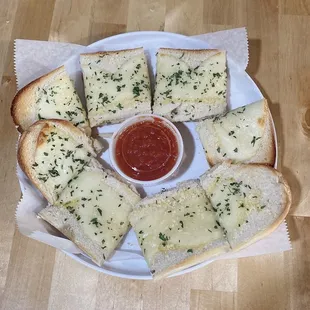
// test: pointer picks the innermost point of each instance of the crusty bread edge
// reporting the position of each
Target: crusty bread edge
(24, 107)
(191, 261)
(106, 53)
(168, 192)
(28, 143)
(278, 221)
(270, 146)
(286, 205)
(270, 138)
(24, 102)
(194, 51)
(71, 231)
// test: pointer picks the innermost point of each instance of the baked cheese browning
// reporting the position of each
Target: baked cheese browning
(59, 100)
(184, 92)
(116, 89)
(58, 158)
(100, 204)
(183, 220)
(239, 135)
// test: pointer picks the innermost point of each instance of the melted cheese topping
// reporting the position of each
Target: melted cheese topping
(232, 202)
(178, 83)
(58, 159)
(183, 221)
(100, 209)
(59, 100)
(124, 90)
(240, 131)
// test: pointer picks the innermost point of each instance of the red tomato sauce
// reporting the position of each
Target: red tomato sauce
(146, 150)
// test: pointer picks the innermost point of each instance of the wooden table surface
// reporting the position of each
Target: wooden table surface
(36, 276)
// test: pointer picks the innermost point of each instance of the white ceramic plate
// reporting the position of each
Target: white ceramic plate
(128, 262)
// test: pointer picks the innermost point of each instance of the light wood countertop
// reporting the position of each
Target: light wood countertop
(36, 276)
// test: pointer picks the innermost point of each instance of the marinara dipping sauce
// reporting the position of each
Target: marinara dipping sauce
(146, 150)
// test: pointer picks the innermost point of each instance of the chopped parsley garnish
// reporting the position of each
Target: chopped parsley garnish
(254, 140)
(163, 237)
(136, 91)
(53, 172)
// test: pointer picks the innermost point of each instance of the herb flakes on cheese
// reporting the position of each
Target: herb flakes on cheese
(241, 135)
(58, 158)
(232, 202)
(58, 99)
(117, 85)
(178, 220)
(52, 96)
(190, 84)
(100, 204)
(249, 200)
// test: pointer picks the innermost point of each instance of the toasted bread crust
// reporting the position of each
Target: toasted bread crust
(163, 50)
(193, 260)
(285, 204)
(112, 53)
(190, 261)
(171, 261)
(286, 207)
(57, 216)
(23, 106)
(29, 142)
(266, 153)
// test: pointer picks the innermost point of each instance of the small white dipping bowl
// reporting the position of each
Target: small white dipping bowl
(137, 119)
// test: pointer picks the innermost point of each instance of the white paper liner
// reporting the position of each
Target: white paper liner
(35, 58)
(234, 41)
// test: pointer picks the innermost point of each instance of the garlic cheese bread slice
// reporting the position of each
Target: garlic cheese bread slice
(52, 96)
(249, 201)
(117, 85)
(243, 135)
(93, 211)
(177, 229)
(190, 84)
(53, 152)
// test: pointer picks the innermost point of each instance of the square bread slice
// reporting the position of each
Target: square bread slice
(53, 152)
(52, 96)
(117, 85)
(250, 201)
(177, 229)
(190, 84)
(92, 211)
(243, 135)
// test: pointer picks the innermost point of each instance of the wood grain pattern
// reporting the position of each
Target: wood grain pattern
(202, 300)
(294, 65)
(35, 276)
(68, 16)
